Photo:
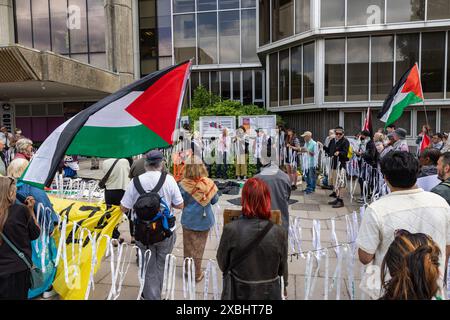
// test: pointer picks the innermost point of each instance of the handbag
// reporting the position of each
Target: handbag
(229, 279)
(102, 183)
(36, 276)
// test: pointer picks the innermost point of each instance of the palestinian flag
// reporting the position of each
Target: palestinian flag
(425, 142)
(368, 123)
(132, 121)
(406, 92)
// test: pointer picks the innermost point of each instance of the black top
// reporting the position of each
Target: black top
(342, 145)
(20, 229)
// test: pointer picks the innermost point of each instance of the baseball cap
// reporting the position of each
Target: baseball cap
(306, 133)
(401, 133)
(154, 156)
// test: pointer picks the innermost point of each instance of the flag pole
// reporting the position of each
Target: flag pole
(423, 99)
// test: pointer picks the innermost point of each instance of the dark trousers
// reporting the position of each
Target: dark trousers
(113, 198)
(258, 165)
(15, 286)
(222, 169)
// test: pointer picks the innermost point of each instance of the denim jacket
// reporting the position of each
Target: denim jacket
(196, 217)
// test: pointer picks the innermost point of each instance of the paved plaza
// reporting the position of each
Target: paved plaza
(308, 207)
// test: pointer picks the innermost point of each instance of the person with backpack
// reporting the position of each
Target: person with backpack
(199, 194)
(252, 253)
(443, 170)
(153, 195)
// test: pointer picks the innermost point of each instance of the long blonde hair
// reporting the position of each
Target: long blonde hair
(7, 198)
(194, 168)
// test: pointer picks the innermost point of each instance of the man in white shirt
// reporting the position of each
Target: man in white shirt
(171, 195)
(407, 207)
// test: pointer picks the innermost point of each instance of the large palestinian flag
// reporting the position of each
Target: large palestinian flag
(137, 118)
(406, 92)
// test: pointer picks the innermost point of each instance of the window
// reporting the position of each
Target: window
(206, 5)
(247, 93)
(308, 72)
(228, 4)
(438, 9)
(422, 119)
(334, 70)
(78, 35)
(148, 37)
(284, 77)
(302, 16)
(382, 65)
(180, 6)
(376, 123)
(358, 69)
(282, 19)
(207, 38)
(365, 12)
(264, 22)
(296, 75)
(432, 67)
(22, 110)
(225, 84)
(352, 123)
(405, 122)
(97, 26)
(407, 53)
(164, 28)
(41, 24)
(273, 69)
(405, 10)
(448, 70)
(229, 36)
(194, 81)
(204, 80)
(248, 3)
(215, 83)
(184, 37)
(445, 123)
(248, 24)
(60, 33)
(332, 13)
(237, 85)
(23, 22)
(259, 84)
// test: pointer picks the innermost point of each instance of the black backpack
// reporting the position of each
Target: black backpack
(153, 216)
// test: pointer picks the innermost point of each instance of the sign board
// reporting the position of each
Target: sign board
(212, 126)
(233, 214)
(6, 116)
(251, 123)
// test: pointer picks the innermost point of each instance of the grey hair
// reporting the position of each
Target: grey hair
(17, 167)
(158, 166)
(22, 145)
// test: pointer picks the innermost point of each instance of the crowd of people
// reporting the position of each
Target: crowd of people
(405, 232)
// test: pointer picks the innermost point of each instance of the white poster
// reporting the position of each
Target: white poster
(252, 123)
(212, 126)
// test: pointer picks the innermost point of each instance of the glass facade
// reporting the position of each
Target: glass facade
(283, 83)
(214, 32)
(75, 28)
(406, 53)
(282, 19)
(438, 9)
(405, 10)
(246, 86)
(332, 13)
(309, 58)
(382, 66)
(365, 12)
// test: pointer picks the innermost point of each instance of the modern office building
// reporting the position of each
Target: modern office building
(326, 61)
(318, 63)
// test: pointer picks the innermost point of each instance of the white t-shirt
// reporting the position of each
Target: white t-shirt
(416, 211)
(169, 192)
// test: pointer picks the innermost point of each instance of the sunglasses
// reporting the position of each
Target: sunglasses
(339, 133)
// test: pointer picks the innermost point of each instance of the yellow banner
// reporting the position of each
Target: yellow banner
(100, 220)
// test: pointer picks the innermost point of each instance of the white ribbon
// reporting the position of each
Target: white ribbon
(168, 289)
(308, 273)
(143, 261)
(316, 238)
(327, 267)
(211, 273)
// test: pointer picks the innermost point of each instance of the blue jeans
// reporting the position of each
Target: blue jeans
(311, 180)
(325, 180)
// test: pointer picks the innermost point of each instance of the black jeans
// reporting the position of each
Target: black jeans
(222, 169)
(15, 286)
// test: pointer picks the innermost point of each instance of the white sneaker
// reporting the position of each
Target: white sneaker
(49, 294)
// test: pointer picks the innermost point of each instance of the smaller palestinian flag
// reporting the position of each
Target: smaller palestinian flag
(425, 142)
(368, 123)
(406, 92)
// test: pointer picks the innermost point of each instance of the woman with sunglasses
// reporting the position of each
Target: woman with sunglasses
(18, 224)
(412, 262)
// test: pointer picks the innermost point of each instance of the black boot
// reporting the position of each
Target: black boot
(339, 204)
(333, 202)
(333, 195)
